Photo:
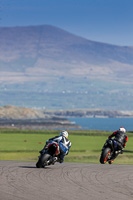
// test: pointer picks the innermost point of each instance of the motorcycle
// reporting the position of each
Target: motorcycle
(109, 151)
(49, 155)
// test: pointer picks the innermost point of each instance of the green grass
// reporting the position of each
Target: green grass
(24, 145)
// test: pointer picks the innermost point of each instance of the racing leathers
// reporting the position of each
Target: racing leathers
(121, 139)
(64, 145)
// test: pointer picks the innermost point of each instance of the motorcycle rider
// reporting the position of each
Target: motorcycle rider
(121, 138)
(64, 144)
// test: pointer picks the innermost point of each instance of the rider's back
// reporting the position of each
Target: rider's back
(120, 137)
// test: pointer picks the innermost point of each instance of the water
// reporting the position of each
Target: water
(107, 124)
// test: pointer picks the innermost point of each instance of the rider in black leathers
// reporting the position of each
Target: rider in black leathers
(121, 138)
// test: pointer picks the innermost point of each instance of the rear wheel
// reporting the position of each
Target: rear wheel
(43, 160)
(105, 155)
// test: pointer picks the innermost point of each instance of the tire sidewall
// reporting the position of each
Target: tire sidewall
(104, 154)
(42, 162)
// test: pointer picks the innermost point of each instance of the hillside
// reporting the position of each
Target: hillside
(9, 112)
(34, 52)
(42, 63)
(13, 112)
(27, 118)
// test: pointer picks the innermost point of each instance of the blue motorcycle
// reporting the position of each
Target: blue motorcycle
(109, 151)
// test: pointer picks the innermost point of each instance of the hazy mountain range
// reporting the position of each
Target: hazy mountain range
(45, 66)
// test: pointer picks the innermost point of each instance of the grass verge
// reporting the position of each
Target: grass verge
(24, 145)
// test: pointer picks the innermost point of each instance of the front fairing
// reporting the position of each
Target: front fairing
(111, 144)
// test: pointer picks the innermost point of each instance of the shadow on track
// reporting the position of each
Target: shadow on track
(27, 167)
(34, 167)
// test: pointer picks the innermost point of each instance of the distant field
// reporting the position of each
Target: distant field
(24, 145)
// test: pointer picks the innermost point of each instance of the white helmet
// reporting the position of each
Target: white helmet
(64, 133)
(122, 129)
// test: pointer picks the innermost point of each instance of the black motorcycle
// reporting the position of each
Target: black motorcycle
(109, 151)
(49, 155)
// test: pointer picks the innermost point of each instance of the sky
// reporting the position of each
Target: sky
(108, 21)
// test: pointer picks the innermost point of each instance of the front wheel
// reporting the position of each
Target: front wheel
(105, 155)
(43, 160)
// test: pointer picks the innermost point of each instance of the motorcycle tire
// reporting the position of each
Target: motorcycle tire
(104, 155)
(42, 160)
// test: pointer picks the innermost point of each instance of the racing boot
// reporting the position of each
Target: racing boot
(61, 158)
(111, 161)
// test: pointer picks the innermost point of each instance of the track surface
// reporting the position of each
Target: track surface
(68, 181)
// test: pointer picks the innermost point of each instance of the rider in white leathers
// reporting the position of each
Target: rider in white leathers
(64, 144)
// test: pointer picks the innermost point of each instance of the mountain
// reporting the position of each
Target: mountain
(50, 67)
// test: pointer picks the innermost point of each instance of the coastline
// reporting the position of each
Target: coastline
(38, 124)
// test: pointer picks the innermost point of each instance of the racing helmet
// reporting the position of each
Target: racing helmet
(122, 129)
(64, 133)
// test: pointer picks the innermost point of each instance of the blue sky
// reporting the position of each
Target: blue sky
(109, 21)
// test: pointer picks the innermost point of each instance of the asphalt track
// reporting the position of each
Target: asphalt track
(67, 181)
